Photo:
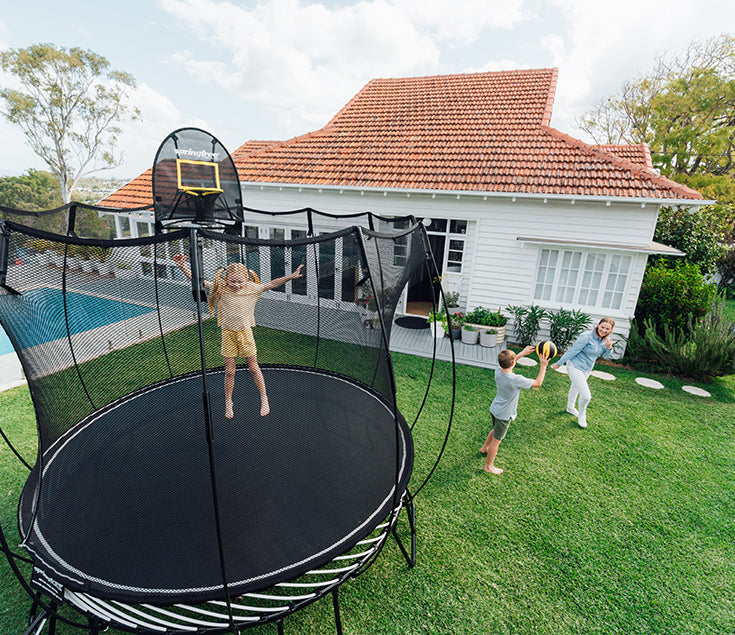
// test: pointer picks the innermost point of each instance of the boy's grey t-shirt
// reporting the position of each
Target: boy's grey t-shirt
(505, 404)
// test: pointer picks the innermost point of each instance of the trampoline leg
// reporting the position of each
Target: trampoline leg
(36, 626)
(337, 618)
(411, 512)
(280, 627)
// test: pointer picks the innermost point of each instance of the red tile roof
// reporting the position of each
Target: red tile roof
(640, 154)
(484, 132)
(138, 192)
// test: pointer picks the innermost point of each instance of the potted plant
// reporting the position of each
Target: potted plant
(469, 334)
(100, 256)
(435, 322)
(88, 264)
(125, 269)
(484, 317)
(488, 338)
(458, 321)
(451, 301)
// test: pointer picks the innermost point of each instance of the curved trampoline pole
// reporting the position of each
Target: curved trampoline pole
(197, 286)
(432, 262)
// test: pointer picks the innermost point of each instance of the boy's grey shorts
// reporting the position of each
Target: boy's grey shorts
(500, 427)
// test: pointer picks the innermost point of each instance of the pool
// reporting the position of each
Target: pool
(85, 312)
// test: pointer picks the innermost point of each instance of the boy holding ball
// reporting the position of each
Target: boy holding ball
(504, 407)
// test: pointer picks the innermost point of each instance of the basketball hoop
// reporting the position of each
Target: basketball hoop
(195, 181)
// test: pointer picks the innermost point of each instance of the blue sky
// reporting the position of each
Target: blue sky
(273, 70)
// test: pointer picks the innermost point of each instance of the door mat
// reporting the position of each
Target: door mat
(410, 322)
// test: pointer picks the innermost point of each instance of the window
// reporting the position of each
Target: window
(447, 238)
(616, 279)
(572, 277)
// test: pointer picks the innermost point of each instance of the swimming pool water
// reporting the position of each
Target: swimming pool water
(84, 311)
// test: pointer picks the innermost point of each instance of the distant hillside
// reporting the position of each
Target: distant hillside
(93, 188)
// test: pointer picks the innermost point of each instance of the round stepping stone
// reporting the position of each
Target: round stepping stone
(649, 383)
(525, 361)
(601, 374)
(695, 390)
(561, 369)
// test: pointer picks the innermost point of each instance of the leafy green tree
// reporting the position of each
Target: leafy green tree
(684, 109)
(68, 106)
(34, 191)
(699, 233)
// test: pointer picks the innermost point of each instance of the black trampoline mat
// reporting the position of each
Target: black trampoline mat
(126, 507)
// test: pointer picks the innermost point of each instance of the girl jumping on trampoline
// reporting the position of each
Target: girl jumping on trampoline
(234, 296)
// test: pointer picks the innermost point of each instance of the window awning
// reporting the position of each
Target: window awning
(651, 248)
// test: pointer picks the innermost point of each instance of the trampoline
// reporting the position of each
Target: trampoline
(145, 508)
(323, 471)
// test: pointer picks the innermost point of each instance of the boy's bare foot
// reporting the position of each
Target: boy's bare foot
(483, 450)
(264, 408)
(492, 469)
(229, 411)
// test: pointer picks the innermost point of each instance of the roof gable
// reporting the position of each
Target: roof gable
(483, 132)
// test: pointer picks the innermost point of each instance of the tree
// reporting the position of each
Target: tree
(33, 191)
(68, 108)
(684, 109)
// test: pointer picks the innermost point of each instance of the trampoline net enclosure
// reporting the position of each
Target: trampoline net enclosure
(142, 490)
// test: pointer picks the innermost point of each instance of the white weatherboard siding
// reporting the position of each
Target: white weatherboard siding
(498, 269)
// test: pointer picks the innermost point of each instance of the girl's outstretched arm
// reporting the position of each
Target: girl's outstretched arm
(180, 261)
(279, 281)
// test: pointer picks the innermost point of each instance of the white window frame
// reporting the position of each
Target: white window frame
(558, 267)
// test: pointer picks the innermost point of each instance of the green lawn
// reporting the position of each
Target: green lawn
(625, 527)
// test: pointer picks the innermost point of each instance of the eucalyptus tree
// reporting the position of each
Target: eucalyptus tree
(69, 103)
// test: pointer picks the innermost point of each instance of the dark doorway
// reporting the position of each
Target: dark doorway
(419, 298)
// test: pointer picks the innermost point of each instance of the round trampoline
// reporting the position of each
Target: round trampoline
(295, 488)
(146, 508)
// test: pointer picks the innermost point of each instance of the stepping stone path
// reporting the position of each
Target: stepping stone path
(643, 381)
(600, 374)
(649, 383)
(694, 390)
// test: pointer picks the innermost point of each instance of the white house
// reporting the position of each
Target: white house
(520, 213)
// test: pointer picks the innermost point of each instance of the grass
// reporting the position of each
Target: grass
(625, 527)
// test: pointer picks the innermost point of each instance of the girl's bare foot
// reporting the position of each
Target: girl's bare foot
(483, 450)
(264, 407)
(492, 469)
(229, 412)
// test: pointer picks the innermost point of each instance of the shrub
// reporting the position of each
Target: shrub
(703, 349)
(670, 295)
(565, 326)
(727, 272)
(700, 234)
(485, 317)
(526, 322)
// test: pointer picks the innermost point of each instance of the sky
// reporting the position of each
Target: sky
(276, 69)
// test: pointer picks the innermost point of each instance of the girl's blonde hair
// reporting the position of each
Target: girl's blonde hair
(220, 281)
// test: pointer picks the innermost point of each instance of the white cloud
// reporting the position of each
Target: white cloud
(606, 44)
(159, 116)
(305, 60)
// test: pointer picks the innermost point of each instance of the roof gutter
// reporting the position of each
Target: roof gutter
(385, 191)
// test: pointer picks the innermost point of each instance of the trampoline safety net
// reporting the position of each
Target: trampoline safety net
(144, 489)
